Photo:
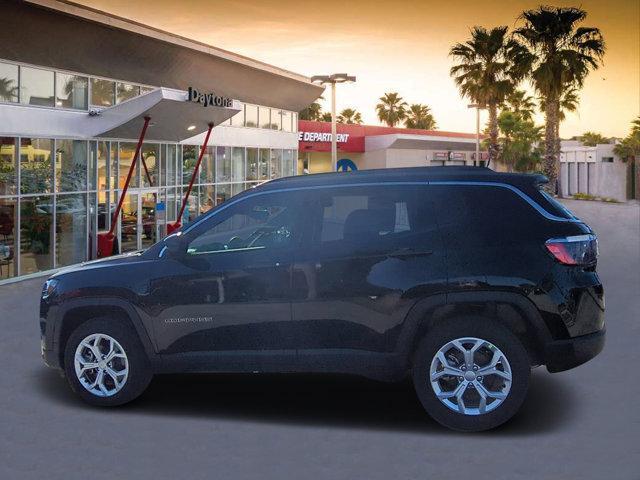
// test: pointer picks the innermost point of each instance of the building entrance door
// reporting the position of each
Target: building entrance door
(139, 226)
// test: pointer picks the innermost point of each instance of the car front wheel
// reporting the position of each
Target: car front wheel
(105, 363)
(471, 374)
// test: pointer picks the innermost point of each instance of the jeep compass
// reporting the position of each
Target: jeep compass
(461, 278)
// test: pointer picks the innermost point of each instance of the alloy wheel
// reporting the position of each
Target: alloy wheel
(470, 376)
(101, 365)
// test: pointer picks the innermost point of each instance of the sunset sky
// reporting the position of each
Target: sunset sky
(398, 46)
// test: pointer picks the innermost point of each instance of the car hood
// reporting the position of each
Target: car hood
(128, 258)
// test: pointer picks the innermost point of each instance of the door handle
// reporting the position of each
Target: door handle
(409, 253)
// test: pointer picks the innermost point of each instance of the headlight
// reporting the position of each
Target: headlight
(49, 288)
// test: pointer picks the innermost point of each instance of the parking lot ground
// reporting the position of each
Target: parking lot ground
(581, 424)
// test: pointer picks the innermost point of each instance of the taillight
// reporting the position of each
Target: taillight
(576, 250)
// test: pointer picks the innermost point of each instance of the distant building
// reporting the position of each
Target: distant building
(372, 146)
(594, 170)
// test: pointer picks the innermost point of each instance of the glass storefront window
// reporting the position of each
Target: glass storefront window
(252, 164)
(170, 165)
(237, 165)
(189, 159)
(287, 163)
(127, 151)
(102, 92)
(36, 86)
(207, 171)
(103, 155)
(238, 119)
(129, 223)
(125, 91)
(71, 229)
(251, 116)
(72, 91)
(8, 82)
(223, 164)
(144, 90)
(149, 165)
(264, 117)
(71, 165)
(35, 165)
(36, 233)
(8, 237)
(8, 176)
(207, 194)
(294, 119)
(276, 119)
(172, 201)
(223, 193)
(286, 121)
(276, 163)
(263, 171)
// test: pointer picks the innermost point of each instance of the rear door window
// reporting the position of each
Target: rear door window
(359, 220)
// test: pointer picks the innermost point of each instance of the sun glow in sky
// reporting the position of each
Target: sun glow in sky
(398, 46)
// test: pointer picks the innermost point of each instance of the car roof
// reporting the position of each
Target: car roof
(409, 174)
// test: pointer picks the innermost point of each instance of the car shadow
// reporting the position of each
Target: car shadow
(318, 400)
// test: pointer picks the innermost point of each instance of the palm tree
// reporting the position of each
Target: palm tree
(489, 65)
(591, 139)
(629, 150)
(325, 117)
(350, 116)
(312, 112)
(8, 92)
(420, 116)
(520, 103)
(392, 109)
(562, 54)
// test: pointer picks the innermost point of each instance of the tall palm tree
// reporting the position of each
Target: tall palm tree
(392, 109)
(420, 116)
(635, 126)
(350, 116)
(562, 54)
(325, 117)
(8, 92)
(489, 66)
(520, 103)
(312, 112)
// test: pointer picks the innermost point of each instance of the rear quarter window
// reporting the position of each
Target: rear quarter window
(485, 215)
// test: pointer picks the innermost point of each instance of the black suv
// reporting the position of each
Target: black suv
(461, 277)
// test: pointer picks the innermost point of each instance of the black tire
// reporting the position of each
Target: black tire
(485, 329)
(140, 372)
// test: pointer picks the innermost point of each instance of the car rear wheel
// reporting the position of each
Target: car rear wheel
(471, 374)
(105, 363)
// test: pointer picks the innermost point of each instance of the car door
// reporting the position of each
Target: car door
(369, 253)
(228, 302)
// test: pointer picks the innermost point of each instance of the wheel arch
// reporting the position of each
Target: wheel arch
(79, 311)
(513, 310)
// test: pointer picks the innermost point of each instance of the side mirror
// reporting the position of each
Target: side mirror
(174, 246)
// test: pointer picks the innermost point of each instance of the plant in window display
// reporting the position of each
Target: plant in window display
(35, 175)
(37, 219)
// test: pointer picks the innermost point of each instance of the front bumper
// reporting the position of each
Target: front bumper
(561, 355)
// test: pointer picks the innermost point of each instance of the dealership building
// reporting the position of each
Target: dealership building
(369, 146)
(76, 86)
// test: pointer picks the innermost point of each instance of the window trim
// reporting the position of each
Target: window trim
(517, 191)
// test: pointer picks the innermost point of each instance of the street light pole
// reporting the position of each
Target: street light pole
(334, 129)
(478, 107)
(332, 80)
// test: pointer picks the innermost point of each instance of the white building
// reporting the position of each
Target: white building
(594, 170)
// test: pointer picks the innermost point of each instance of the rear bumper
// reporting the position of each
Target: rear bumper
(563, 355)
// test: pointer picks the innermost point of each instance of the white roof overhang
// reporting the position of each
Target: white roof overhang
(419, 142)
(170, 110)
